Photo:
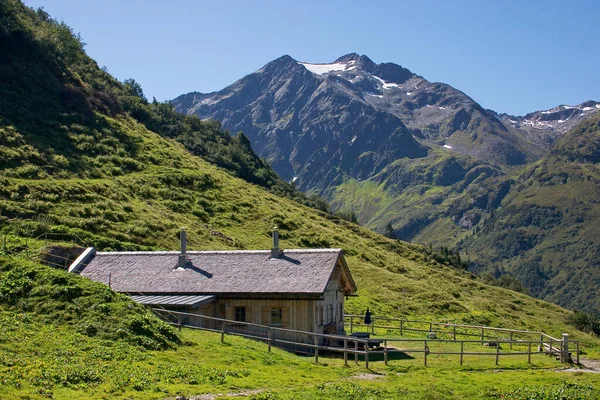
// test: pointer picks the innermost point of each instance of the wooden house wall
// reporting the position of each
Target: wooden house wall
(331, 306)
(297, 314)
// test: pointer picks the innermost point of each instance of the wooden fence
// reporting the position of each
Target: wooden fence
(387, 348)
(448, 331)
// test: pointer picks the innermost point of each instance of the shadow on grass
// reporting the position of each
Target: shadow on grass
(373, 357)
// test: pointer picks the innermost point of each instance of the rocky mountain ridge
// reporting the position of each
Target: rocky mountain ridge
(291, 110)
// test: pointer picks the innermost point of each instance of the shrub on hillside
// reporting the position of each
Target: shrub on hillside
(91, 308)
(584, 322)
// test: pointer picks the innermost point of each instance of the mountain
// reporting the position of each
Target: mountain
(313, 121)
(421, 161)
(323, 123)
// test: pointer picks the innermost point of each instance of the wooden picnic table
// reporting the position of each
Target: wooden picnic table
(372, 343)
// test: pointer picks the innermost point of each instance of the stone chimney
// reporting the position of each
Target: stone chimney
(183, 258)
(275, 252)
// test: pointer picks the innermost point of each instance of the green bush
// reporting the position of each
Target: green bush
(584, 322)
(91, 308)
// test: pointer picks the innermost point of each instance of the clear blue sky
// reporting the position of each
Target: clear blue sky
(510, 56)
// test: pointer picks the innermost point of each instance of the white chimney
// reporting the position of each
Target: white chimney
(183, 258)
(275, 252)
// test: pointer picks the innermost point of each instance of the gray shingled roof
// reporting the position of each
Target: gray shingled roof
(216, 272)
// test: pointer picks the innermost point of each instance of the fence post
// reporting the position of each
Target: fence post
(462, 346)
(529, 353)
(373, 326)
(550, 347)
(385, 352)
(454, 333)
(511, 339)
(179, 322)
(351, 323)
(401, 326)
(561, 352)
(316, 349)
(542, 342)
(430, 327)
(577, 351)
(345, 353)
(367, 355)
(482, 334)
(356, 351)
(426, 350)
(222, 332)
(269, 338)
(565, 358)
(497, 352)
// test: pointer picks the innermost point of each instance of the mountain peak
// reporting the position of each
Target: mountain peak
(348, 57)
(282, 63)
(283, 60)
(362, 61)
(354, 57)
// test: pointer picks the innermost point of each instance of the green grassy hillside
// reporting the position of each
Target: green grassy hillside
(546, 229)
(73, 166)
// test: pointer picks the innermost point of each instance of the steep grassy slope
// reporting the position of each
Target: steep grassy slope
(54, 100)
(546, 230)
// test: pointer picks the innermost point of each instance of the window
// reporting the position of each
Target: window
(240, 314)
(329, 313)
(276, 316)
(320, 315)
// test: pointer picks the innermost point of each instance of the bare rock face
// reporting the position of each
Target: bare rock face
(469, 220)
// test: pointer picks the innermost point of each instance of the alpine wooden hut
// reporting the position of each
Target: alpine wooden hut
(296, 289)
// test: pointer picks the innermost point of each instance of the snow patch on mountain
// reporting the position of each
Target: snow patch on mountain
(386, 85)
(322, 69)
(538, 124)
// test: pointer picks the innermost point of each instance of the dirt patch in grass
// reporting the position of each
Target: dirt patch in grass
(213, 396)
(367, 377)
